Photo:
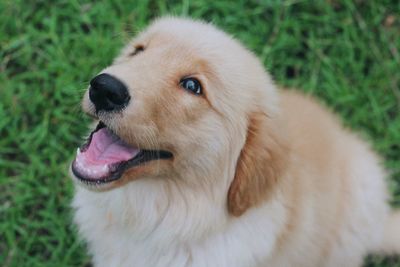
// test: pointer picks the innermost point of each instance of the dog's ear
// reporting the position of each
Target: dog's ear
(259, 166)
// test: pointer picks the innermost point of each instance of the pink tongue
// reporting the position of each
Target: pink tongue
(107, 148)
(104, 150)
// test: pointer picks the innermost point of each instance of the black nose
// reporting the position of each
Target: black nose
(108, 93)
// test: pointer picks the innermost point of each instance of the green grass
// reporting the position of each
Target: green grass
(345, 52)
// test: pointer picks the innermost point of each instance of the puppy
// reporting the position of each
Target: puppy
(199, 160)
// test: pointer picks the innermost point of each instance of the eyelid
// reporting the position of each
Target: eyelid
(189, 77)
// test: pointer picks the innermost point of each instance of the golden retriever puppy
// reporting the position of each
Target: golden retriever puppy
(199, 160)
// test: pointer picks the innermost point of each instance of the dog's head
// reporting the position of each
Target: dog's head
(185, 102)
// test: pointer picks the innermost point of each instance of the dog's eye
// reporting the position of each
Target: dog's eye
(192, 85)
(138, 49)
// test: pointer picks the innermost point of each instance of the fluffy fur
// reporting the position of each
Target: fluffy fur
(260, 176)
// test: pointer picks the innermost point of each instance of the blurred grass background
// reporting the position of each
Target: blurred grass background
(346, 52)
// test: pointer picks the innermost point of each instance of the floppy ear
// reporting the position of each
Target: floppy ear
(259, 166)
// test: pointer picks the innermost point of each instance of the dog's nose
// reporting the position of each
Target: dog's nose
(108, 93)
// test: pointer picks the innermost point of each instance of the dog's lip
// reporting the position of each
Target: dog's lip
(117, 169)
(86, 144)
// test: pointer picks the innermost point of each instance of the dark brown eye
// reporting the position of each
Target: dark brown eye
(192, 85)
(138, 49)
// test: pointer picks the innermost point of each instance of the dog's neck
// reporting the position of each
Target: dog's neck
(144, 207)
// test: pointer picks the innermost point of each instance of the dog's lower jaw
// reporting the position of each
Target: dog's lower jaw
(154, 216)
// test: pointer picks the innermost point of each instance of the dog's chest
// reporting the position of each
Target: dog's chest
(118, 238)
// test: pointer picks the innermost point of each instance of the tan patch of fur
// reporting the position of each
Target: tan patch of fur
(259, 167)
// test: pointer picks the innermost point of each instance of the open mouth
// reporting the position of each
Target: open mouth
(105, 157)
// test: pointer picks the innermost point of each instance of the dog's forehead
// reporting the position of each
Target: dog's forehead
(179, 28)
(189, 36)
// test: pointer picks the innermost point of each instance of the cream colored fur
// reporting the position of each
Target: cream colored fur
(260, 176)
